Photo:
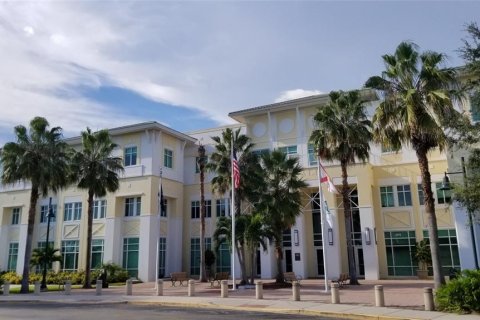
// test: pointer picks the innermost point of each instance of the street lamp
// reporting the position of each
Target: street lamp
(446, 186)
(50, 214)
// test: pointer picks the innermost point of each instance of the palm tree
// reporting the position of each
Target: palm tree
(97, 171)
(45, 256)
(280, 203)
(256, 234)
(40, 156)
(201, 164)
(343, 134)
(251, 181)
(417, 101)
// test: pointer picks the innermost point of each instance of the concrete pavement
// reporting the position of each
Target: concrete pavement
(403, 299)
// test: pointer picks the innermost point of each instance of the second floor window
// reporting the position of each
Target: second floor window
(99, 209)
(404, 195)
(168, 158)
(312, 156)
(195, 209)
(130, 156)
(421, 195)
(16, 216)
(44, 212)
(223, 207)
(133, 206)
(288, 150)
(386, 196)
(73, 211)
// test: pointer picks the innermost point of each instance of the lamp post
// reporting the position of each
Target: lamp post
(50, 214)
(446, 186)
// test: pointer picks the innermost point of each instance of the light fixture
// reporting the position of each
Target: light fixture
(446, 182)
(296, 240)
(368, 239)
(330, 236)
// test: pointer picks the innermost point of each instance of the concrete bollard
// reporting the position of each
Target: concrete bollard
(191, 288)
(6, 288)
(98, 288)
(428, 297)
(128, 287)
(379, 296)
(259, 290)
(159, 287)
(68, 287)
(224, 289)
(335, 293)
(295, 291)
(36, 288)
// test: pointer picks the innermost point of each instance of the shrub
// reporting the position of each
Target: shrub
(12, 277)
(35, 277)
(115, 273)
(461, 295)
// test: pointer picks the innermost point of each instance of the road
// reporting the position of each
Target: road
(123, 311)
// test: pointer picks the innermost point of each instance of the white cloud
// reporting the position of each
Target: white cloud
(29, 31)
(296, 94)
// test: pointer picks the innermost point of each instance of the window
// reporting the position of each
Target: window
(312, 156)
(44, 213)
(163, 211)
(133, 206)
(475, 106)
(195, 209)
(223, 207)
(99, 209)
(162, 253)
(448, 246)
(259, 152)
(16, 216)
(386, 196)
(41, 245)
(73, 211)
(12, 256)
(404, 195)
(130, 156)
(400, 246)
(197, 165)
(97, 254)
(316, 221)
(223, 258)
(288, 150)
(421, 195)
(70, 251)
(443, 196)
(130, 256)
(287, 238)
(168, 158)
(195, 254)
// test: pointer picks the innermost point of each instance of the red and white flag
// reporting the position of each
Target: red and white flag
(236, 170)
(325, 178)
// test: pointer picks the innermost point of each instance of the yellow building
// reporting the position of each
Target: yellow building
(388, 212)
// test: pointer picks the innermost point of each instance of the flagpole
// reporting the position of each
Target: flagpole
(233, 216)
(157, 263)
(322, 221)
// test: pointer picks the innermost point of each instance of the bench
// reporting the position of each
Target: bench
(342, 280)
(291, 277)
(219, 276)
(179, 277)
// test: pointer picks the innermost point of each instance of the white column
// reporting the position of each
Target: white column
(174, 246)
(300, 250)
(464, 238)
(113, 241)
(148, 243)
(22, 243)
(268, 262)
(3, 247)
(332, 251)
(370, 256)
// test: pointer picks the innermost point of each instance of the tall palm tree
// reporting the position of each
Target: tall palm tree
(418, 96)
(45, 256)
(343, 134)
(40, 156)
(280, 202)
(251, 181)
(201, 164)
(256, 234)
(96, 171)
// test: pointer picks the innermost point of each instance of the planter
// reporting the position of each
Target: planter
(422, 274)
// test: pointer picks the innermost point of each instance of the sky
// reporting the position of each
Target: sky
(188, 64)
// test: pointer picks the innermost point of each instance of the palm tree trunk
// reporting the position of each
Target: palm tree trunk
(347, 208)
(243, 266)
(438, 278)
(279, 256)
(28, 245)
(87, 283)
(252, 255)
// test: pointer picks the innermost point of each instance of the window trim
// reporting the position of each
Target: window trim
(167, 156)
(132, 161)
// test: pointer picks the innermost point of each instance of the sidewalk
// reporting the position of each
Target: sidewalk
(403, 298)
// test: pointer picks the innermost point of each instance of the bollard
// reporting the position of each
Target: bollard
(6, 288)
(128, 287)
(259, 290)
(191, 288)
(295, 291)
(428, 297)
(224, 289)
(68, 287)
(36, 288)
(98, 288)
(159, 287)
(379, 296)
(335, 293)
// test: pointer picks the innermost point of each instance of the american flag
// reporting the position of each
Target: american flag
(236, 170)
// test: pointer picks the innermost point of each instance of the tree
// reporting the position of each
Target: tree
(256, 234)
(96, 171)
(40, 156)
(470, 51)
(344, 134)
(42, 256)
(468, 194)
(201, 164)
(251, 182)
(418, 102)
(280, 202)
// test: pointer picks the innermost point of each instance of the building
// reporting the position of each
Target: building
(388, 212)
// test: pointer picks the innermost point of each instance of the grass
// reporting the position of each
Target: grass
(15, 288)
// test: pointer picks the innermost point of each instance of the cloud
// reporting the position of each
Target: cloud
(296, 94)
